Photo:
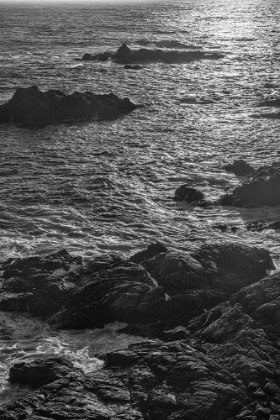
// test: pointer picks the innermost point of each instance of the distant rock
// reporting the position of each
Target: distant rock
(125, 55)
(135, 67)
(271, 102)
(261, 188)
(239, 168)
(188, 194)
(30, 106)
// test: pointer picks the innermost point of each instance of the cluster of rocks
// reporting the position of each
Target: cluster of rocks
(259, 187)
(30, 106)
(213, 321)
(125, 55)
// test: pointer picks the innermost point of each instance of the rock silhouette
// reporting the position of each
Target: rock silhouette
(125, 55)
(260, 188)
(30, 106)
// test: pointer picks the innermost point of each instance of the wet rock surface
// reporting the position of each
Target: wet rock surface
(30, 106)
(215, 311)
(226, 367)
(125, 55)
(260, 188)
(38, 285)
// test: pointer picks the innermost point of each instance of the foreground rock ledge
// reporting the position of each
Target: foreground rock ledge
(156, 288)
(34, 107)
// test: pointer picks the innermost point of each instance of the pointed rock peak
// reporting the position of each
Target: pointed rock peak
(123, 51)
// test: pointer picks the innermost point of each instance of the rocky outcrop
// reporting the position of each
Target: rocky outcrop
(155, 287)
(224, 364)
(261, 188)
(31, 106)
(239, 168)
(125, 55)
(227, 368)
(120, 291)
(38, 285)
(130, 67)
(188, 194)
(166, 289)
(271, 102)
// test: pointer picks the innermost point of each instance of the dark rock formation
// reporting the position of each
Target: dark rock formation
(38, 285)
(226, 367)
(155, 287)
(30, 106)
(189, 194)
(271, 102)
(125, 55)
(166, 289)
(223, 364)
(239, 168)
(120, 291)
(261, 188)
(130, 67)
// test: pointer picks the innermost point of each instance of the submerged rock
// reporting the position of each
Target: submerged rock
(261, 188)
(239, 168)
(189, 194)
(125, 55)
(30, 106)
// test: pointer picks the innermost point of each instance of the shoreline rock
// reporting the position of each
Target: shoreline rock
(223, 364)
(262, 188)
(30, 106)
(239, 168)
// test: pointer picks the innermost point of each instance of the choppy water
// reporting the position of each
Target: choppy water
(107, 187)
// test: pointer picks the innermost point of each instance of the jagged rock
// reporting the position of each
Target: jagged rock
(123, 52)
(233, 378)
(38, 285)
(155, 287)
(119, 291)
(32, 107)
(261, 188)
(125, 55)
(186, 193)
(239, 168)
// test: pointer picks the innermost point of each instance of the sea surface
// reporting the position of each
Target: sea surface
(103, 187)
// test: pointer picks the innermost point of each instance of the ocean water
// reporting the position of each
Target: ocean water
(103, 187)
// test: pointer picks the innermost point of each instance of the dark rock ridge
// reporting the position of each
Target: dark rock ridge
(226, 368)
(125, 55)
(154, 287)
(223, 364)
(38, 285)
(260, 188)
(31, 106)
(239, 168)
